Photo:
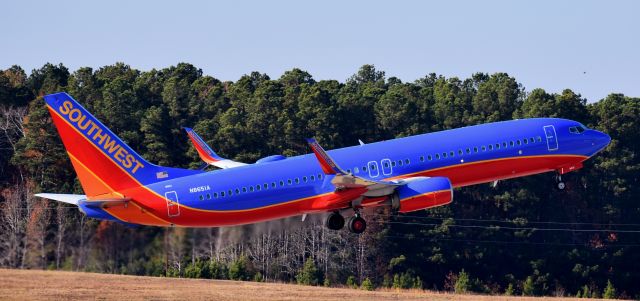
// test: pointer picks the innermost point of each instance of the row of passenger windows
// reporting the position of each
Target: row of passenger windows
(385, 164)
(460, 152)
(484, 148)
(259, 187)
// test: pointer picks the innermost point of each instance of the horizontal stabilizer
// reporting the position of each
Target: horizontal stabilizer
(73, 199)
(207, 154)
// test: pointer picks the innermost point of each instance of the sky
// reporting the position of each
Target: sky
(591, 47)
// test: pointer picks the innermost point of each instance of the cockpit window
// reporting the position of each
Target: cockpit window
(577, 129)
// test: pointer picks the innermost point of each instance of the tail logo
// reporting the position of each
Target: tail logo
(100, 137)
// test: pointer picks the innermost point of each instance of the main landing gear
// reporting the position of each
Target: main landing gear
(334, 221)
(356, 223)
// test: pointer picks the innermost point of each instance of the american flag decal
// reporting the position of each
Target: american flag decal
(162, 175)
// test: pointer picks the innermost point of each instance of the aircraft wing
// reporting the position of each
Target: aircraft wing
(344, 180)
(207, 154)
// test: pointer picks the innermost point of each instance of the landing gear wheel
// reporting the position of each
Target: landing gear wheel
(334, 221)
(357, 224)
(561, 185)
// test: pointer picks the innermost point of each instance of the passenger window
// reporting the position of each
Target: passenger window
(230, 192)
(258, 187)
(460, 152)
(348, 170)
(304, 179)
(265, 186)
(297, 181)
(437, 156)
(519, 142)
(525, 141)
(504, 144)
(215, 195)
(201, 197)
(319, 177)
(532, 140)
(406, 161)
(355, 169)
(386, 164)
(282, 182)
(208, 196)
(511, 143)
(373, 167)
(490, 146)
(289, 182)
(468, 150)
(429, 157)
(399, 162)
(444, 155)
(497, 145)
(222, 193)
(484, 148)
(251, 188)
(313, 178)
(273, 185)
(244, 189)
(237, 190)
(452, 154)
(539, 139)
(475, 149)
(393, 163)
(421, 158)
(364, 168)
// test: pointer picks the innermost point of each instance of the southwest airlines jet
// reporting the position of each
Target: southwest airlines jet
(405, 174)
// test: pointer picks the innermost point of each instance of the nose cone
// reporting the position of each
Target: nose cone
(600, 140)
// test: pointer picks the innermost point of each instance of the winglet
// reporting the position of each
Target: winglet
(207, 154)
(329, 167)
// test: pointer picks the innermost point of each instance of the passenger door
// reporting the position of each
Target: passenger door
(552, 139)
(173, 204)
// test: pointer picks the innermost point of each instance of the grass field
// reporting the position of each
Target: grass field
(56, 285)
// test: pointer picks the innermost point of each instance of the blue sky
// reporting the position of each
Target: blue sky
(544, 44)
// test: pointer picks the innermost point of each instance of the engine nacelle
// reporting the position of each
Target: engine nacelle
(423, 193)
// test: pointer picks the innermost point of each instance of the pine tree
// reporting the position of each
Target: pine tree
(609, 291)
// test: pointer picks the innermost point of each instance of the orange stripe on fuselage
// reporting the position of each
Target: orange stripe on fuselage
(465, 174)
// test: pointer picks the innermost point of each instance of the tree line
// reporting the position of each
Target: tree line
(520, 237)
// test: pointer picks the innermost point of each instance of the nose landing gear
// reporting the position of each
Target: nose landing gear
(559, 183)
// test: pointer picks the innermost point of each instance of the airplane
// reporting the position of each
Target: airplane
(405, 174)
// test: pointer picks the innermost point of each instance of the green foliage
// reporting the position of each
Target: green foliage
(367, 284)
(463, 283)
(528, 288)
(509, 291)
(351, 282)
(309, 273)
(326, 282)
(258, 277)
(238, 269)
(609, 291)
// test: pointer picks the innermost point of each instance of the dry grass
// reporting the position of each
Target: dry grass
(57, 285)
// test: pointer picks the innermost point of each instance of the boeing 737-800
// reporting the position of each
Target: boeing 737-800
(405, 174)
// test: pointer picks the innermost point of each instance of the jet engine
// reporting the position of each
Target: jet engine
(422, 193)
